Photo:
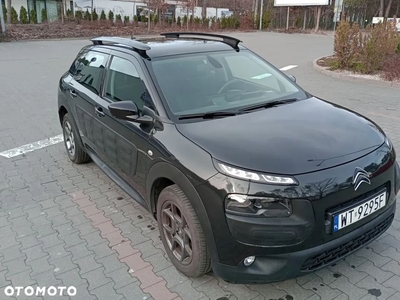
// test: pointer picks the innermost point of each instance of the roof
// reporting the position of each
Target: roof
(154, 47)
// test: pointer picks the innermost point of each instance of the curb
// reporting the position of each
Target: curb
(351, 78)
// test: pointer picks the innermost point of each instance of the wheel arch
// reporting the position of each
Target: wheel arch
(62, 111)
(163, 174)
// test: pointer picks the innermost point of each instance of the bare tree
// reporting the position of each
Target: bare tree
(8, 11)
(388, 7)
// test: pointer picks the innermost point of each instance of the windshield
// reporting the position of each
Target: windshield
(220, 81)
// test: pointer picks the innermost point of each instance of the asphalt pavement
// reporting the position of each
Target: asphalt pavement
(68, 225)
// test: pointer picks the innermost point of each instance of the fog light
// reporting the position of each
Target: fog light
(249, 260)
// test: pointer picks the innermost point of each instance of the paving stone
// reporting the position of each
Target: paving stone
(393, 267)
(82, 293)
(101, 250)
(40, 265)
(133, 291)
(12, 253)
(110, 263)
(121, 277)
(34, 253)
(292, 288)
(96, 278)
(46, 279)
(348, 288)
(57, 252)
(159, 262)
(395, 296)
(268, 291)
(378, 259)
(3, 281)
(241, 291)
(93, 239)
(106, 292)
(65, 229)
(86, 228)
(186, 291)
(321, 289)
(21, 278)
(378, 273)
(375, 289)
(16, 266)
(10, 241)
(50, 240)
(87, 264)
(172, 276)
(71, 278)
(73, 239)
(353, 275)
(63, 264)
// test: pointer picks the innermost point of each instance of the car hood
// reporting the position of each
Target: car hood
(296, 138)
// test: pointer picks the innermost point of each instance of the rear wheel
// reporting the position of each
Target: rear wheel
(181, 233)
(72, 142)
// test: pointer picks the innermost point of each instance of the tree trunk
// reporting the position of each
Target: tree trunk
(389, 6)
(255, 13)
(204, 11)
(318, 18)
(62, 12)
(187, 19)
(381, 8)
(8, 11)
(305, 19)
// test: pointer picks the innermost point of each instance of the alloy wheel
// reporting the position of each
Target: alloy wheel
(177, 232)
(69, 138)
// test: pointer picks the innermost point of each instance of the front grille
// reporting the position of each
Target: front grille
(328, 257)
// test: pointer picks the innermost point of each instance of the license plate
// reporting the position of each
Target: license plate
(359, 212)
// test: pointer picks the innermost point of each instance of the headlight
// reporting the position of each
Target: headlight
(254, 176)
(254, 206)
(388, 143)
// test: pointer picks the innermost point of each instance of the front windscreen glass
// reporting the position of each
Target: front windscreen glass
(220, 81)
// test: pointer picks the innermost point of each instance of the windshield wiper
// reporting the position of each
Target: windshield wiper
(268, 104)
(209, 115)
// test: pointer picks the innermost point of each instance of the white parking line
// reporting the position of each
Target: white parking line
(33, 146)
(288, 67)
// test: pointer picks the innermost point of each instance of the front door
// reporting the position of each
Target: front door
(126, 143)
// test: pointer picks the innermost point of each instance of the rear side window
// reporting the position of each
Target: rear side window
(88, 69)
(124, 84)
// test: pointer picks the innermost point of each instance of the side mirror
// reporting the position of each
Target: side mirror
(124, 110)
(128, 111)
(292, 78)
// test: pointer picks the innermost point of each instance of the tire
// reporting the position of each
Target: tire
(172, 199)
(73, 144)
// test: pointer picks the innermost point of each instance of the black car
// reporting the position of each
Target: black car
(246, 173)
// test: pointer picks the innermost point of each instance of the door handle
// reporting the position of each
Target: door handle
(73, 93)
(99, 112)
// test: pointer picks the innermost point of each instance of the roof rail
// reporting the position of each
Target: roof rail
(231, 41)
(136, 45)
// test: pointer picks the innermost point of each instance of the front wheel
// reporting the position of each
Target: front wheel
(181, 233)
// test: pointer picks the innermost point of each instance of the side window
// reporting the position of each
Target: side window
(124, 84)
(253, 72)
(88, 70)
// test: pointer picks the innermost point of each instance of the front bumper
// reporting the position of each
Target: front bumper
(303, 242)
(278, 267)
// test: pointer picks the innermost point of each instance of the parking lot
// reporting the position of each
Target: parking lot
(68, 225)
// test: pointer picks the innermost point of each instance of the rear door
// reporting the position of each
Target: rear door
(84, 89)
